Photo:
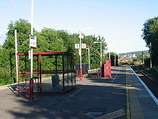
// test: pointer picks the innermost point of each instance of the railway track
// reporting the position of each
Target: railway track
(150, 80)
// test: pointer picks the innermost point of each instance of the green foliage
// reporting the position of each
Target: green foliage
(147, 62)
(23, 31)
(152, 71)
(150, 35)
(128, 63)
(48, 40)
(138, 60)
(6, 71)
(113, 58)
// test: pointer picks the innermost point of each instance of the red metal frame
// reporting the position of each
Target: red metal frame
(64, 72)
(47, 53)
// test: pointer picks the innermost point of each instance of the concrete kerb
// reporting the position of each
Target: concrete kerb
(134, 110)
(7, 86)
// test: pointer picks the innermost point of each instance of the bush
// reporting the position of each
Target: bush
(5, 77)
(152, 71)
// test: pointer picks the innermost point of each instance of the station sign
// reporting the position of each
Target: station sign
(77, 46)
(33, 42)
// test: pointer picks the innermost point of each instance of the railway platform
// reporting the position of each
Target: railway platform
(123, 96)
(142, 104)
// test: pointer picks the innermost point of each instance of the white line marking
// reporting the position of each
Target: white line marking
(73, 94)
(115, 76)
(147, 89)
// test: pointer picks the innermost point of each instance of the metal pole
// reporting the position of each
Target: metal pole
(16, 56)
(100, 53)
(31, 58)
(115, 61)
(80, 53)
(142, 57)
(150, 61)
(32, 11)
(150, 56)
(89, 58)
(118, 59)
(109, 56)
(100, 59)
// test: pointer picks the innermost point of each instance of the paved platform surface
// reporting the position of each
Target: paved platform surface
(119, 97)
(142, 104)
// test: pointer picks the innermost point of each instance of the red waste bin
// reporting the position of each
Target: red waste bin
(107, 69)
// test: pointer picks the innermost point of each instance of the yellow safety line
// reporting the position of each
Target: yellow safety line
(3, 88)
(127, 96)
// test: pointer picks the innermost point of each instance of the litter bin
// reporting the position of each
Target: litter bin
(107, 69)
(55, 81)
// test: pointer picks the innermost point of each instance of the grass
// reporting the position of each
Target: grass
(152, 71)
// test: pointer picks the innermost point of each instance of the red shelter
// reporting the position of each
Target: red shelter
(53, 72)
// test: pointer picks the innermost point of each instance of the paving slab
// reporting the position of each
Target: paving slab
(93, 98)
(121, 97)
(142, 105)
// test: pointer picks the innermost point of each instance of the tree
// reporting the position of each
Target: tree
(7, 58)
(6, 71)
(48, 40)
(23, 30)
(150, 35)
(114, 59)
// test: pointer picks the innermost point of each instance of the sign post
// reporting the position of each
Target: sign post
(16, 56)
(32, 46)
(80, 46)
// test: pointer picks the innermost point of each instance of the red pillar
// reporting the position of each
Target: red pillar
(80, 74)
(31, 95)
(107, 69)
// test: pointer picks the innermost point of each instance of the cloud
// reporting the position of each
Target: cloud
(2, 36)
(89, 28)
(81, 29)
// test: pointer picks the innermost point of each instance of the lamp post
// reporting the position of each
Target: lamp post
(16, 56)
(109, 54)
(115, 60)
(150, 46)
(101, 54)
(31, 54)
(80, 54)
(142, 57)
(31, 95)
(31, 51)
(89, 67)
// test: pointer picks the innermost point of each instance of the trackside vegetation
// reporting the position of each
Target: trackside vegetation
(150, 36)
(48, 40)
(51, 40)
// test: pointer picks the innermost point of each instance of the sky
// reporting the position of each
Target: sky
(120, 22)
